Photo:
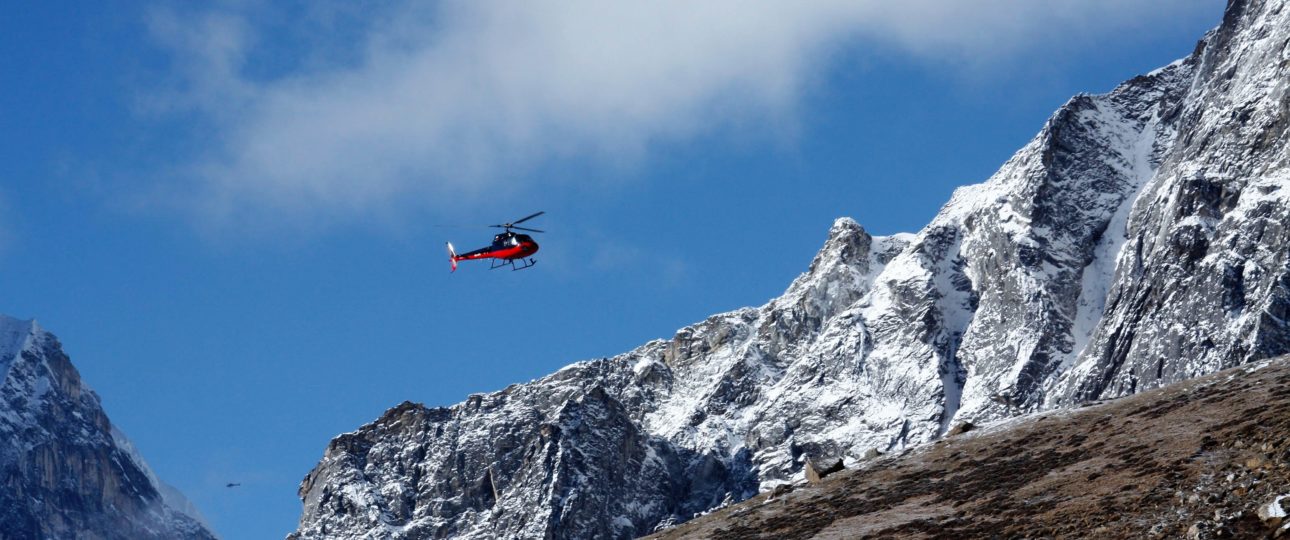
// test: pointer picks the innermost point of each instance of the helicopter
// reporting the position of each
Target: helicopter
(508, 248)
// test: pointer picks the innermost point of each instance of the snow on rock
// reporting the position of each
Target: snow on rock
(1274, 509)
(1139, 239)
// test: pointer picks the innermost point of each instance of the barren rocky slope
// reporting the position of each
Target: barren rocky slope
(1198, 459)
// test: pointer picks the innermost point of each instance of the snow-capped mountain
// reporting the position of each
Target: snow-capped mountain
(67, 472)
(1138, 240)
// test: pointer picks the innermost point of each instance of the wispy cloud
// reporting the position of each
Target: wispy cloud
(346, 112)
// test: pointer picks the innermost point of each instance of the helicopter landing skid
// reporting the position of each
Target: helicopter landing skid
(511, 262)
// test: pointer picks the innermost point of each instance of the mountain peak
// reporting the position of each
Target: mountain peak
(69, 472)
(844, 225)
(14, 333)
(847, 246)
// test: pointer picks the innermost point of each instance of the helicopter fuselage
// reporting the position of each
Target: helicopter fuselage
(508, 245)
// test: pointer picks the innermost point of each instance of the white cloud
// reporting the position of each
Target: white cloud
(427, 101)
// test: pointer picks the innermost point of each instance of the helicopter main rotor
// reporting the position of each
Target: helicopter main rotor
(513, 224)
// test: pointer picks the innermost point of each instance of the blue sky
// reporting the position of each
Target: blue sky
(233, 216)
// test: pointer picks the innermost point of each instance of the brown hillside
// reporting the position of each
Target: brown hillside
(1195, 459)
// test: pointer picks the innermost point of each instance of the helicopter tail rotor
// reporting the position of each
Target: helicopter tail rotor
(452, 256)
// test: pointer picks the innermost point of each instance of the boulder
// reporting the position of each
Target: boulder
(961, 429)
(1274, 512)
(779, 491)
(816, 473)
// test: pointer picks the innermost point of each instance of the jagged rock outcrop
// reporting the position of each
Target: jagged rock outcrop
(66, 472)
(1137, 240)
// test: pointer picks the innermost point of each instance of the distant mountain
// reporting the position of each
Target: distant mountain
(1138, 240)
(67, 472)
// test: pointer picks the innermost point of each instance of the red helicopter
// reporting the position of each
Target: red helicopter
(508, 247)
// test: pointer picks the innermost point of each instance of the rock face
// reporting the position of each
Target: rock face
(1138, 240)
(67, 473)
(1201, 281)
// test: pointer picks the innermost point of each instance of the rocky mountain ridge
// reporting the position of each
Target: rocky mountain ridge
(1136, 241)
